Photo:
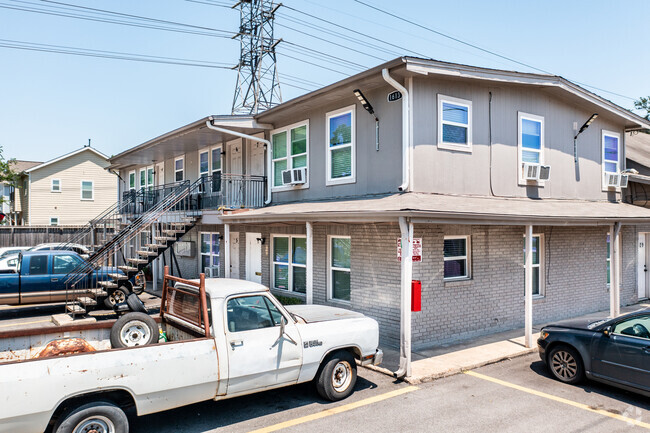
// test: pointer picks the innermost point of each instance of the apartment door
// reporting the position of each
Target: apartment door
(256, 159)
(160, 174)
(643, 264)
(234, 255)
(254, 257)
(235, 156)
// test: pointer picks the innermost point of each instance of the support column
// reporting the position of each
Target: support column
(226, 250)
(310, 263)
(406, 229)
(154, 263)
(528, 297)
(615, 263)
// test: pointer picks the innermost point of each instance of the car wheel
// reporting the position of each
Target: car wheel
(134, 329)
(565, 364)
(135, 303)
(99, 417)
(337, 377)
(116, 296)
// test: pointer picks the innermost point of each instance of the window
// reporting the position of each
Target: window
(131, 180)
(38, 265)
(290, 147)
(530, 142)
(341, 146)
(64, 264)
(611, 158)
(54, 221)
(87, 190)
(339, 267)
(56, 185)
(252, 312)
(290, 263)
(179, 173)
(635, 327)
(216, 169)
(210, 252)
(454, 123)
(537, 264)
(204, 168)
(456, 257)
(150, 178)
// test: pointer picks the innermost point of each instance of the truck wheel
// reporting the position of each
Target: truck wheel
(134, 329)
(116, 296)
(99, 416)
(337, 377)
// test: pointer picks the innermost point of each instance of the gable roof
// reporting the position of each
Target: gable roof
(20, 166)
(67, 155)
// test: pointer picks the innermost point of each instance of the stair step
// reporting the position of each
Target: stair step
(179, 224)
(127, 269)
(85, 301)
(118, 277)
(173, 232)
(165, 238)
(76, 309)
(98, 293)
(155, 246)
(133, 260)
(108, 284)
(147, 253)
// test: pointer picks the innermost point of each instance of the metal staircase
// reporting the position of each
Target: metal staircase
(127, 238)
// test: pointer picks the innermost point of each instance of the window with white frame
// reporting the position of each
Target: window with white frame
(132, 180)
(54, 221)
(538, 254)
(456, 254)
(215, 169)
(530, 142)
(210, 253)
(56, 185)
(143, 178)
(87, 190)
(179, 169)
(339, 254)
(150, 178)
(290, 147)
(204, 168)
(289, 268)
(454, 123)
(611, 151)
(341, 146)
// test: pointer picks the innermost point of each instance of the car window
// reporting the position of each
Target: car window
(251, 312)
(64, 264)
(635, 327)
(12, 262)
(38, 265)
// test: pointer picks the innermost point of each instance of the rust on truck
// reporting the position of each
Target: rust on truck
(65, 346)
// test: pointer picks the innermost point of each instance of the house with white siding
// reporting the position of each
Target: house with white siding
(68, 190)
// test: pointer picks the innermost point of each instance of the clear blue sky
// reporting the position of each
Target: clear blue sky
(51, 103)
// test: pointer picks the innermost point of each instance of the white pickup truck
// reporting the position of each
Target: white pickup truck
(252, 344)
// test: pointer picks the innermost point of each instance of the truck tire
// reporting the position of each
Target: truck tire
(134, 329)
(116, 296)
(337, 376)
(98, 416)
(135, 303)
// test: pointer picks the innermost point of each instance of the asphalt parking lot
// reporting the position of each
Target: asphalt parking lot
(512, 396)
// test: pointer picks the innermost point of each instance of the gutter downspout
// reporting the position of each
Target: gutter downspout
(260, 140)
(406, 145)
(406, 229)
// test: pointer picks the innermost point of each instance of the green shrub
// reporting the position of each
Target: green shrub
(289, 300)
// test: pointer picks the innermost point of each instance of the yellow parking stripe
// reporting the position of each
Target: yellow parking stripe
(335, 410)
(25, 323)
(582, 406)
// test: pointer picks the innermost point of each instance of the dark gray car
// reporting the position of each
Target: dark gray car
(614, 351)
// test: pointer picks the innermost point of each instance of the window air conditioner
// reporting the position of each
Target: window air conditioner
(536, 171)
(295, 176)
(615, 180)
(212, 272)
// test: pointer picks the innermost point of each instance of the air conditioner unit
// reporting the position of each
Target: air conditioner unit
(212, 272)
(623, 181)
(615, 180)
(295, 176)
(536, 171)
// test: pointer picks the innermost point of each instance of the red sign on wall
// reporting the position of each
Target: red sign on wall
(416, 246)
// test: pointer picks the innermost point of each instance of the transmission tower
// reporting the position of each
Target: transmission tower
(258, 88)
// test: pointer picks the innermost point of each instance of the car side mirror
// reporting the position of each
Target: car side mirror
(607, 331)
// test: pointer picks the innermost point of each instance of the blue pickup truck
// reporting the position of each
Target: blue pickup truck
(40, 278)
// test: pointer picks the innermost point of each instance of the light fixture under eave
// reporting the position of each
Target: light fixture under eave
(575, 139)
(366, 105)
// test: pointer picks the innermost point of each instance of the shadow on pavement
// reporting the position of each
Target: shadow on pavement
(207, 415)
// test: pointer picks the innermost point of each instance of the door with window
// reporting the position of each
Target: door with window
(210, 254)
(260, 354)
(35, 280)
(62, 265)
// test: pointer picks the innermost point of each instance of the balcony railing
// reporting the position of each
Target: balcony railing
(219, 191)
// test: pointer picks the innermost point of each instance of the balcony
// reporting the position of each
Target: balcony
(216, 192)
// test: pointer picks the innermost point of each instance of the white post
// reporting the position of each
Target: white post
(310, 263)
(406, 230)
(615, 266)
(528, 298)
(226, 250)
(154, 262)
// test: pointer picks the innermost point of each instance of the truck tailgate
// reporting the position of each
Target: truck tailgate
(159, 377)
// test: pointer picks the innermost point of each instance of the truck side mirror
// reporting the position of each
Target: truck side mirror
(607, 331)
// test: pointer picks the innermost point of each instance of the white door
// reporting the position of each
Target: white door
(234, 255)
(254, 257)
(256, 159)
(160, 173)
(643, 266)
(259, 356)
(235, 156)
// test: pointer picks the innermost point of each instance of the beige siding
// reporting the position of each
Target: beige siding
(67, 204)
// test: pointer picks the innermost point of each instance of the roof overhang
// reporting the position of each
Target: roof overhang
(191, 137)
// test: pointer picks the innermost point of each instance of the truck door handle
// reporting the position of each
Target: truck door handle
(646, 350)
(54, 280)
(236, 343)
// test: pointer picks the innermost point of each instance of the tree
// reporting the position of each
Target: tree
(643, 103)
(8, 175)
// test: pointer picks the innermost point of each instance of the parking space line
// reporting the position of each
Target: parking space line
(25, 323)
(582, 406)
(336, 410)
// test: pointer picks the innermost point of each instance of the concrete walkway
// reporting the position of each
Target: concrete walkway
(443, 361)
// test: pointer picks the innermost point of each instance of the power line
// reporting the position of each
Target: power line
(314, 64)
(325, 58)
